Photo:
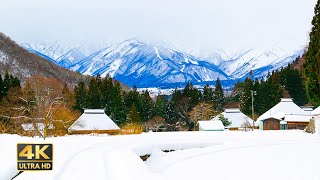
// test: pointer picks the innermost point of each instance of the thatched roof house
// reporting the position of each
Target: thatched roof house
(237, 118)
(93, 121)
(285, 115)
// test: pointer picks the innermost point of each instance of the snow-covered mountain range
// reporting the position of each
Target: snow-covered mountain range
(137, 63)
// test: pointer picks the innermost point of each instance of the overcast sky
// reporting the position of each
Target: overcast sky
(186, 24)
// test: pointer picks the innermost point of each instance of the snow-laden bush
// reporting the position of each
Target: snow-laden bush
(311, 128)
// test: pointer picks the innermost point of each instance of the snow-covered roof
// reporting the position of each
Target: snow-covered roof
(211, 125)
(297, 118)
(93, 119)
(236, 117)
(284, 107)
(316, 111)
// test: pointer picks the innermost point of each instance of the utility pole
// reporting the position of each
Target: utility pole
(252, 99)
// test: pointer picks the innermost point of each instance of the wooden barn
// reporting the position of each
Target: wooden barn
(285, 115)
(93, 121)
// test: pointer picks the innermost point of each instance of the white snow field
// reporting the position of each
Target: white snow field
(290, 154)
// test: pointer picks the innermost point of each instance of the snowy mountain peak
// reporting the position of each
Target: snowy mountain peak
(146, 65)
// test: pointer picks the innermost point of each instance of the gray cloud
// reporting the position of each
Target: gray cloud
(187, 24)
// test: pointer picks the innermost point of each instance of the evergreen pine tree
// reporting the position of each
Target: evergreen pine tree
(218, 96)
(133, 97)
(14, 81)
(275, 89)
(176, 96)
(245, 97)
(225, 121)
(187, 91)
(9, 82)
(311, 66)
(134, 116)
(107, 94)
(161, 106)
(118, 109)
(6, 83)
(292, 81)
(147, 106)
(94, 98)
(193, 94)
(207, 93)
(80, 93)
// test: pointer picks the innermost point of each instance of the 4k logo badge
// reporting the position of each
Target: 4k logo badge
(34, 157)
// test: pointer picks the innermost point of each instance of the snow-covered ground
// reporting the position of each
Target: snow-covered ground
(199, 155)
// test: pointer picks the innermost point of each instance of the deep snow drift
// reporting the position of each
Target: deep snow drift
(199, 155)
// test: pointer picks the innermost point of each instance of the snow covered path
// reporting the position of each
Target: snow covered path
(222, 155)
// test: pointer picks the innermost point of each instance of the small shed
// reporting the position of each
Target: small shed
(93, 121)
(211, 125)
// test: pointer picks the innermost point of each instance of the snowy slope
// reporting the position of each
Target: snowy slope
(62, 53)
(52, 50)
(199, 155)
(70, 57)
(259, 61)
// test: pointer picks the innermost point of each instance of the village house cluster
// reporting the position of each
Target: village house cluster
(285, 115)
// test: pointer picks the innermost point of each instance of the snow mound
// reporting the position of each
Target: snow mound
(197, 155)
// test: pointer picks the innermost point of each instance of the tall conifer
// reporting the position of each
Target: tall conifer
(311, 66)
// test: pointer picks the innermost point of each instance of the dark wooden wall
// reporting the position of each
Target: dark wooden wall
(271, 124)
(297, 125)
